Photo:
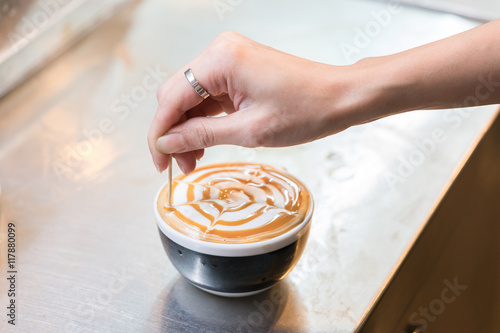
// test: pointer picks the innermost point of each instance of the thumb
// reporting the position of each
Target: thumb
(203, 132)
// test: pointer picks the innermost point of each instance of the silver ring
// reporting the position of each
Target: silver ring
(197, 87)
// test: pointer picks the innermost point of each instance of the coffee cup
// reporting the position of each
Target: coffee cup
(234, 229)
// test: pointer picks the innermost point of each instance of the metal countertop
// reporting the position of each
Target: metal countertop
(77, 180)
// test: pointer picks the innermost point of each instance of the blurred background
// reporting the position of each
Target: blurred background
(33, 32)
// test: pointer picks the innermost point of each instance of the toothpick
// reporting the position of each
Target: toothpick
(169, 193)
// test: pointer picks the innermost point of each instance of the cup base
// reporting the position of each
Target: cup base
(223, 294)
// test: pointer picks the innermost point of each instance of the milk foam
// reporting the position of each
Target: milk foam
(235, 203)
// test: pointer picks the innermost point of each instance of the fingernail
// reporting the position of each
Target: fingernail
(170, 143)
(199, 154)
(158, 167)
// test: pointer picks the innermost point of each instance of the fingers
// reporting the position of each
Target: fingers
(178, 100)
(212, 106)
(201, 132)
(186, 161)
(175, 97)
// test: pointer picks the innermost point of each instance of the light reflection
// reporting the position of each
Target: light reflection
(85, 160)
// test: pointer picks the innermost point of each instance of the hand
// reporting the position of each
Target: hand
(270, 98)
(274, 99)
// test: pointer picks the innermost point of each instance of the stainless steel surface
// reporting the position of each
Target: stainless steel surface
(77, 180)
(32, 32)
(486, 10)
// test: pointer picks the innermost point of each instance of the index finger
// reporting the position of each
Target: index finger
(175, 97)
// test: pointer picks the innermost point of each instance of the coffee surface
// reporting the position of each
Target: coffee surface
(234, 203)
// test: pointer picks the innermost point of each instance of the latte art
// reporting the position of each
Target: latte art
(234, 203)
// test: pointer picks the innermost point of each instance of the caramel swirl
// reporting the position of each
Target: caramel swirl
(234, 203)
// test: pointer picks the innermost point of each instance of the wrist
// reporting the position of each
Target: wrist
(385, 86)
(383, 93)
(360, 93)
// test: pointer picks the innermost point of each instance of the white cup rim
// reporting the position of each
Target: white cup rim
(231, 249)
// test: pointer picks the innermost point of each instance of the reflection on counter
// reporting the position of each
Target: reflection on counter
(206, 312)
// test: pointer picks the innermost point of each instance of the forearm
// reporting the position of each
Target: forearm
(459, 71)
